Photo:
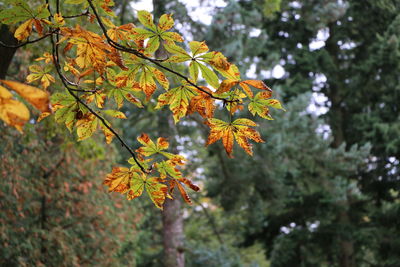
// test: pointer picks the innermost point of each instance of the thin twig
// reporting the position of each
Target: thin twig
(86, 13)
(67, 85)
(27, 42)
(154, 61)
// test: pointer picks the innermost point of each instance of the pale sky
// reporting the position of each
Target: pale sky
(201, 10)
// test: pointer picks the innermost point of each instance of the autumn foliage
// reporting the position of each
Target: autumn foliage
(119, 65)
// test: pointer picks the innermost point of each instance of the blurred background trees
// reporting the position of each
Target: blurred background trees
(322, 191)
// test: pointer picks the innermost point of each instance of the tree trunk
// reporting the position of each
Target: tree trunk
(6, 53)
(173, 233)
(172, 216)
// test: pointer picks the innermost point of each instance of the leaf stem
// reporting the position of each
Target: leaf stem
(141, 55)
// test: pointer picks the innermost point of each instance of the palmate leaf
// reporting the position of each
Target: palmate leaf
(154, 187)
(202, 103)
(123, 180)
(91, 50)
(167, 169)
(154, 33)
(198, 55)
(21, 11)
(178, 100)
(239, 130)
(260, 105)
(38, 73)
(149, 147)
(226, 85)
(142, 77)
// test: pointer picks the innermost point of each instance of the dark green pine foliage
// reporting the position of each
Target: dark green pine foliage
(338, 203)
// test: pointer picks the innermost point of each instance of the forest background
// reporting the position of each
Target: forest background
(322, 191)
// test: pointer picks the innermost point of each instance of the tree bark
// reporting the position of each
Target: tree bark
(6, 53)
(172, 216)
(173, 233)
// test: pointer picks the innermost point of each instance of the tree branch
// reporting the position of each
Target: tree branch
(70, 90)
(27, 42)
(86, 13)
(154, 61)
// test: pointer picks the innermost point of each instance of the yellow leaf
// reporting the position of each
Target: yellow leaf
(178, 100)
(12, 112)
(24, 30)
(118, 180)
(86, 126)
(38, 98)
(166, 22)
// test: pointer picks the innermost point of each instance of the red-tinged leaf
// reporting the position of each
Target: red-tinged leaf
(131, 98)
(189, 184)
(202, 103)
(115, 56)
(162, 143)
(257, 84)
(226, 86)
(38, 26)
(184, 195)
(156, 190)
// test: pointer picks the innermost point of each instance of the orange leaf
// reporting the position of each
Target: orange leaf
(203, 103)
(258, 84)
(38, 98)
(118, 180)
(238, 130)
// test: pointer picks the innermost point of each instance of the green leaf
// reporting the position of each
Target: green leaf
(146, 19)
(210, 76)
(178, 100)
(115, 114)
(194, 71)
(274, 103)
(20, 12)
